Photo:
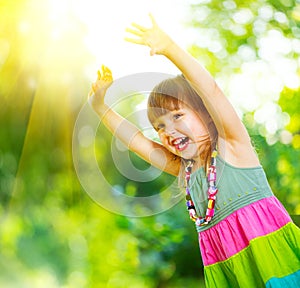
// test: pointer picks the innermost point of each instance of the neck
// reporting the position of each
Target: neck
(203, 159)
(198, 163)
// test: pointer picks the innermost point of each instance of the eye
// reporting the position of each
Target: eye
(177, 115)
(159, 127)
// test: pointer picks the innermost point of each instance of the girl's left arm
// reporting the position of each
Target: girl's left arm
(231, 130)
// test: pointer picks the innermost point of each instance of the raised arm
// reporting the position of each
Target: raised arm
(232, 133)
(152, 152)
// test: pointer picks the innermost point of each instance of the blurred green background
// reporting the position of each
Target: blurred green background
(52, 234)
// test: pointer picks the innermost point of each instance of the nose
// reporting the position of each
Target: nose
(170, 130)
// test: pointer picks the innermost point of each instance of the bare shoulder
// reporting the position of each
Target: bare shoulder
(239, 154)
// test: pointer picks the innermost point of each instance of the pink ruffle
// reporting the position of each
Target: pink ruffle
(234, 233)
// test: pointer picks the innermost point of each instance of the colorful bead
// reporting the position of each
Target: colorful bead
(211, 177)
(210, 212)
(207, 220)
(211, 192)
(192, 213)
(211, 204)
(200, 221)
(190, 205)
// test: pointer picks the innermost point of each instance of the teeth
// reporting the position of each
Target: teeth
(178, 141)
(181, 145)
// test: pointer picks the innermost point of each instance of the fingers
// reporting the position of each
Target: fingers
(106, 74)
(103, 82)
(135, 41)
(152, 20)
(140, 33)
(135, 32)
(107, 69)
(141, 28)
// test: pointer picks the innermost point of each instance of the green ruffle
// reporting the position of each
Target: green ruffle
(274, 255)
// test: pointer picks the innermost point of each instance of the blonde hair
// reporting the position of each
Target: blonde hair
(169, 95)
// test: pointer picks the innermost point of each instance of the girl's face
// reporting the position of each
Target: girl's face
(182, 132)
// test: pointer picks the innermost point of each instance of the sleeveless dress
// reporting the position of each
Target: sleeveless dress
(251, 242)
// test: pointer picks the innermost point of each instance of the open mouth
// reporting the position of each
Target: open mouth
(180, 143)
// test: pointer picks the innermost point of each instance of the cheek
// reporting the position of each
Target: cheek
(162, 138)
(190, 128)
(197, 126)
(164, 141)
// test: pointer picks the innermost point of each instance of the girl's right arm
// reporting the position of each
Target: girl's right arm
(232, 134)
(151, 151)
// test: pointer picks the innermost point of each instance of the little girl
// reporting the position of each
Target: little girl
(246, 237)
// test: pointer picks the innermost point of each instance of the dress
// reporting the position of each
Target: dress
(251, 242)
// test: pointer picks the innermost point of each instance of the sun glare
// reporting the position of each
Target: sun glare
(48, 31)
(105, 31)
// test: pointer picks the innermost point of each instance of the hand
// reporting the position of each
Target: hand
(97, 93)
(154, 37)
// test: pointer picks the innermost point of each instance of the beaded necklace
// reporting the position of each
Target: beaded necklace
(211, 192)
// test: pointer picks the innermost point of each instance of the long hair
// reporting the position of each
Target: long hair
(169, 95)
